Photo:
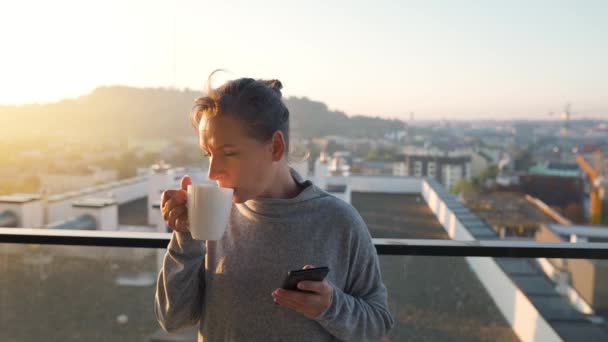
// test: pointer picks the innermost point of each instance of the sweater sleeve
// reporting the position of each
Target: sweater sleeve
(360, 312)
(181, 283)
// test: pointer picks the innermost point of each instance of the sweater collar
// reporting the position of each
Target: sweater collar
(282, 207)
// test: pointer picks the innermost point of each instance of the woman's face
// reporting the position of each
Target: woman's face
(235, 159)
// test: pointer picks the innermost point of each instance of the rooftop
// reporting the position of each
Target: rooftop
(400, 216)
(96, 202)
(501, 209)
(432, 298)
(19, 198)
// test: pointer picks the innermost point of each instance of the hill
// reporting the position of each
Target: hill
(120, 111)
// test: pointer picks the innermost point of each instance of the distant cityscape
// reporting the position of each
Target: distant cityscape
(534, 181)
(468, 158)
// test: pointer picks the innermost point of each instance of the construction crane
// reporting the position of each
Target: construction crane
(564, 131)
(597, 185)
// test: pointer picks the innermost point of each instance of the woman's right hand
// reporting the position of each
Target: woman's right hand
(173, 206)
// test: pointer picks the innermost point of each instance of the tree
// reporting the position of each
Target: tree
(465, 187)
(332, 147)
(490, 173)
(523, 158)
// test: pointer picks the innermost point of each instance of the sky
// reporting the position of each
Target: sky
(436, 59)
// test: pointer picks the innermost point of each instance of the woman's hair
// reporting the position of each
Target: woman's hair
(255, 103)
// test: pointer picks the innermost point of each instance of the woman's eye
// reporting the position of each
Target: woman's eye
(229, 153)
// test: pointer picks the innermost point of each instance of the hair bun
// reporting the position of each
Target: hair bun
(275, 85)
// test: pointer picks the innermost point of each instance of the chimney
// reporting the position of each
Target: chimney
(21, 210)
(103, 210)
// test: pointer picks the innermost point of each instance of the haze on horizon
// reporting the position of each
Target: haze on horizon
(438, 59)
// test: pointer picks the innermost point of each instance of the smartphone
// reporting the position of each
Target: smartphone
(311, 274)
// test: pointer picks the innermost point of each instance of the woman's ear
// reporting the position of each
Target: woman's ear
(277, 146)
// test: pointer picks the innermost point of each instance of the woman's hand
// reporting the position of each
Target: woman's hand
(310, 304)
(173, 206)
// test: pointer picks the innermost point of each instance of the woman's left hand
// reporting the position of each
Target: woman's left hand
(310, 304)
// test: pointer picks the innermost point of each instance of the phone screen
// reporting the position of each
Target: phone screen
(311, 274)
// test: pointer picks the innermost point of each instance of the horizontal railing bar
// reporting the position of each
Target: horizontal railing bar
(101, 238)
(421, 247)
(492, 248)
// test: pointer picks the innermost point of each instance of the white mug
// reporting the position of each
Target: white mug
(208, 211)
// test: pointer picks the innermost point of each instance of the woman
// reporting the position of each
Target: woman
(278, 223)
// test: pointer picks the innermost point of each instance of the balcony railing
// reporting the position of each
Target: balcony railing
(438, 289)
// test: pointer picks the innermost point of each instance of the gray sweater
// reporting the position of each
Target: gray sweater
(225, 286)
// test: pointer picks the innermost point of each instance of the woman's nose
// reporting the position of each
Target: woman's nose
(215, 171)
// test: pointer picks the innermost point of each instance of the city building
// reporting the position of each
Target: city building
(447, 167)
